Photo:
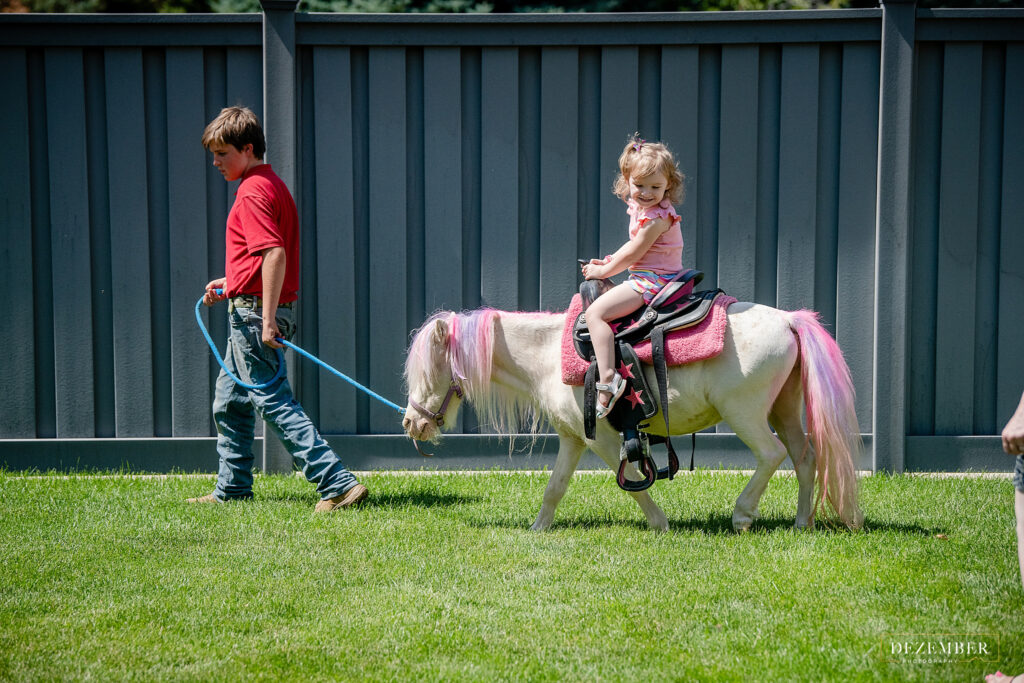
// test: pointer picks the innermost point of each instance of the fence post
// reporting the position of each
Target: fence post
(279, 125)
(892, 236)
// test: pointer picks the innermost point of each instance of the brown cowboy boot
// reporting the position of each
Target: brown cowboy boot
(208, 498)
(352, 497)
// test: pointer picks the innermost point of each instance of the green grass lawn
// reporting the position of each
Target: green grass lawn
(439, 578)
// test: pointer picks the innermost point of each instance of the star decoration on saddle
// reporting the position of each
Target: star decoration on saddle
(626, 371)
(634, 397)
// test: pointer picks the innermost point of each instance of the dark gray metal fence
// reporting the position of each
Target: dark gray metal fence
(862, 163)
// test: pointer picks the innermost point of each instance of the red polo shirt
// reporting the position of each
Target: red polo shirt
(262, 216)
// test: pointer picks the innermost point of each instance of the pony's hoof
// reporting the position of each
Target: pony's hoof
(741, 524)
(660, 525)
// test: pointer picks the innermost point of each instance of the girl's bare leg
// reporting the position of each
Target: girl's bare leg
(615, 303)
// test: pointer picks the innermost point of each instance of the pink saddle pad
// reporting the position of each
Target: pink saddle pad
(700, 342)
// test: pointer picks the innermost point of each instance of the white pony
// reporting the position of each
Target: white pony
(508, 365)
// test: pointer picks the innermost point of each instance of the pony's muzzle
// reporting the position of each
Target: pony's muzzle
(417, 426)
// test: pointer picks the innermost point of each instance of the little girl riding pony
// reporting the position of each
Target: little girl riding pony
(650, 183)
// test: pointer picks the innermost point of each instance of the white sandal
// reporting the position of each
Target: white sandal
(617, 387)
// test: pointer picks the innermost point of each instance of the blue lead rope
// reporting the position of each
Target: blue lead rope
(345, 377)
(281, 366)
(220, 361)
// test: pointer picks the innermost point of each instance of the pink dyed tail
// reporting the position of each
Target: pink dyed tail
(831, 417)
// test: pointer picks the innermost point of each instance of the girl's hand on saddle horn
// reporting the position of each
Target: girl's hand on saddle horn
(595, 269)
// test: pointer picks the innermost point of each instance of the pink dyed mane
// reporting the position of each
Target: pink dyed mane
(467, 350)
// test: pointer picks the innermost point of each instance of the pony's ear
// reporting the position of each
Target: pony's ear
(440, 333)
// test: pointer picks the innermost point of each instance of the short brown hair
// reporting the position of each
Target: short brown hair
(238, 127)
(640, 159)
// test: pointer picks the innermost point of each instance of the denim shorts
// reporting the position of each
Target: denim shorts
(1018, 474)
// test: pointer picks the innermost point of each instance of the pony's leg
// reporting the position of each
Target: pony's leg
(607, 448)
(570, 448)
(769, 452)
(785, 419)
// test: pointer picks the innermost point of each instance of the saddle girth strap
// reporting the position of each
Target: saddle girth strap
(661, 374)
(590, 401)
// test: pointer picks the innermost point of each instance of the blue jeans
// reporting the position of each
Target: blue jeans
(235, 409)
(1018, 474)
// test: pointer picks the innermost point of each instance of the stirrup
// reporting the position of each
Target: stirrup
(617, 387)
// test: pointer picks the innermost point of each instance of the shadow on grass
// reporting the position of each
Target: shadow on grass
(419, 499)
(721, 523)
(718, 524)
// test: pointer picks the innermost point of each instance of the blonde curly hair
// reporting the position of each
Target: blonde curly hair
(640, 159)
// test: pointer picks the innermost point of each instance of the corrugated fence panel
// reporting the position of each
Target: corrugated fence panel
(17, 375)
(128, 187)
(558, 177)
(70, 242)
(924, 255)
(386, 197)
(706, 186)
(826, 202)
(155, 97)
(472, 124)
(591, 181)
(618, 120)
(766, 238)
(680, 84)
(42, 282)
(798, 175)
(989, 180)
(99, 243)
(187, 225)
(737, 195)
(442, 178)
(530, 152)
(335, 290)
(957, 271)
(499, 179)
(858, 144)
